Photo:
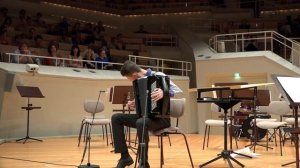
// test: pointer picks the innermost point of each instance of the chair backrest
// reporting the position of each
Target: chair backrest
(93, 106)
(177, 107)
(279, 107)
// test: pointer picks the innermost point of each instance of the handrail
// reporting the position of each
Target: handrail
(185, 67)
(287, 48)
(159, 64)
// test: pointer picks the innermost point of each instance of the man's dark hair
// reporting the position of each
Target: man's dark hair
(129, 68)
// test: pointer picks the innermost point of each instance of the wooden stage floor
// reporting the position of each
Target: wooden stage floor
(56, 152)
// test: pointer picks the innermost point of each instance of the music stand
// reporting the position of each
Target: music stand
(121, 95)
(228, 94)
(288, 86)
(225, 104)
(29, 92)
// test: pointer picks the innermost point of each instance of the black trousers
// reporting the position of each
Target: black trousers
(120, 120)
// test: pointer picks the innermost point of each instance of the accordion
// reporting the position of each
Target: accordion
(144, 105)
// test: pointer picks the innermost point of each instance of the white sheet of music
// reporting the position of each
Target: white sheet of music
(292, 87)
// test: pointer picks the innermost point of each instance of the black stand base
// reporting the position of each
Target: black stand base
(26, 138)
(226, 156)
(89, 166)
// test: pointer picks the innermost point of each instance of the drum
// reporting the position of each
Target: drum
(248, 125)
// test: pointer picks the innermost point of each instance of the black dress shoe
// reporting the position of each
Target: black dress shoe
(125, 162)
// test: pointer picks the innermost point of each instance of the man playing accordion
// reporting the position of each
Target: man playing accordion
(132, 72)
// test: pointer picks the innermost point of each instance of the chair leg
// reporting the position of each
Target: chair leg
(267, 140)
(158, 142)
(280, 140)
(275, 137)
(162, 161)
(111, 135)
(187, 146)
(208, 132)
(102, 132)
(169, 140)
(106, 134)
(204, 137)
(80, 132)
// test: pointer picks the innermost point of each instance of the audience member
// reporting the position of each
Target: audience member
(89, 55)
(141, 29)
(75, 57)
(23, 59)
(53, 52)
(4, 38)
(38, 20)
(103, 60)
(244, 24)
(38, 41)
(76, 33)
(3, 14)
(32, 33)
(117, 42)
(7, 26)
(63, 28)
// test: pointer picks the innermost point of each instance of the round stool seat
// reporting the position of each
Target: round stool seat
(264, 119)
(216, 123)
(270, 124)
(98, 121)
(291, 121)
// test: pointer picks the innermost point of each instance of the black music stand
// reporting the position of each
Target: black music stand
(230, 115)
(288, 87)
(29, 92)
(121, 95)
(225, 104)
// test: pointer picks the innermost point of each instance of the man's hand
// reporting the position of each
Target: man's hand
(157, 94)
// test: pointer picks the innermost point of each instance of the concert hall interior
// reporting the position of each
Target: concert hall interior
(234, 53)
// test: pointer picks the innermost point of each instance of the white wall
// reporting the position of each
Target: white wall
(254, 67)
(62, 107)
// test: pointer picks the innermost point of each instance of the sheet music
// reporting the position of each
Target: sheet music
(292, 87)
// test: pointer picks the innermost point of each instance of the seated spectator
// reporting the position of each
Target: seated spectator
(19, 38)
(76, 33)
(89, 55)
(4, 38)
(100, 26)
(22, 20)
(38, 41)
(251, 46)
(116, 45)
(141, 29)
(7, 26)
(38, 21)
(244, 24)
(75, 58)
(29, 22)
(3, 14)
(63, 28)
(117, 42)
(32, 33)
(23, 59)
(103, 60)
(53, 52)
